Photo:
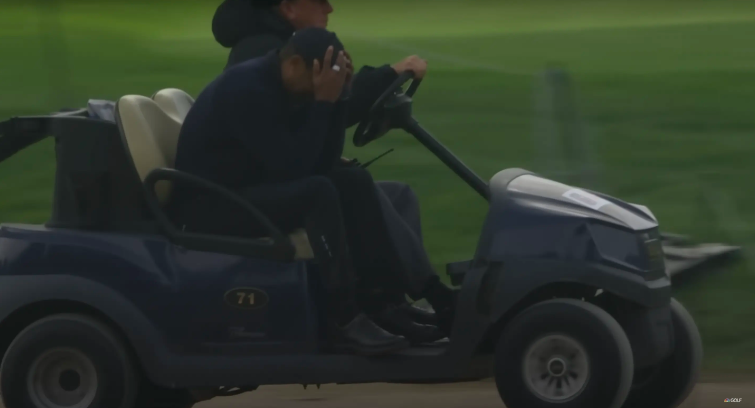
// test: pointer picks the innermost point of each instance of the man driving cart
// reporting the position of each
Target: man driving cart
(252, 28)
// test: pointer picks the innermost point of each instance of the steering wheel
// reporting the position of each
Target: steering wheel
(378, 123)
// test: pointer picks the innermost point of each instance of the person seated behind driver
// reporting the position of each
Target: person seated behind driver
(251, 28)
(272, 129)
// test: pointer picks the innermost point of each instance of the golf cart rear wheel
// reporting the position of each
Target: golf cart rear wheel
(669, 383)
(563, 353)
(67, 361)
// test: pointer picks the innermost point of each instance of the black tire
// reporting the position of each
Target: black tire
(94, 361)
(578, 341)
(672, 381)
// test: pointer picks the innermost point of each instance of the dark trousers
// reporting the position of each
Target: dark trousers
(400, 207)
(342, 213)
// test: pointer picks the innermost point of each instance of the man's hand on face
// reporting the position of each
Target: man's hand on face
(413, 63)
(349, 67)
(329, 81)
(349, 73)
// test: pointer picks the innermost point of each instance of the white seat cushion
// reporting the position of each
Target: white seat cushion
(151, 128)
(147, 132)
(174, 102)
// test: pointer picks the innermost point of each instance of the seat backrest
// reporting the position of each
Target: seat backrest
(148, 132)
(174, 102)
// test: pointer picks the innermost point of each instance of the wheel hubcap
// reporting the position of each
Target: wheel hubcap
(556, 368)
(62, 378)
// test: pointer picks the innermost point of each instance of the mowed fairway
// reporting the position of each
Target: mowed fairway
(668, 90)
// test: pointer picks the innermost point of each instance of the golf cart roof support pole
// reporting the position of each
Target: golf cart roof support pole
(449, 159)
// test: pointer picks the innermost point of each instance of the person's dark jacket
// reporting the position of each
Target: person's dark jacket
(251, 32)
(245, 130)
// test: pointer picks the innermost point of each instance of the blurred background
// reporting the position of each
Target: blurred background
(660, 109)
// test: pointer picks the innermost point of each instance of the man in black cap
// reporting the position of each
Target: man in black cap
(272, 129)
(252, 28)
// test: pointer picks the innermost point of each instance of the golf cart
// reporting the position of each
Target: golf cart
(566, 302)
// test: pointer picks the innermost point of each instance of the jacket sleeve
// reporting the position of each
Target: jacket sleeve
(283, 154)
(366, 88)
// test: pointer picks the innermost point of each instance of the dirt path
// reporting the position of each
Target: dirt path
(467, 395)
(470, 395)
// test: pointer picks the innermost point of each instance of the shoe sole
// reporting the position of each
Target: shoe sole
(428, 342)
(414, 339)
(422, 316)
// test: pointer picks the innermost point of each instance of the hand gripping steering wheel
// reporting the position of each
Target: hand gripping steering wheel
(378, 122)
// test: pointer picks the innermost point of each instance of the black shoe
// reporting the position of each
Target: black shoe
(420, 315)
(396, 320)
(362, 336)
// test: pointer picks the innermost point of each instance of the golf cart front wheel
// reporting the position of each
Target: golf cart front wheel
(669, 383)
(67, 361)
(563, 353)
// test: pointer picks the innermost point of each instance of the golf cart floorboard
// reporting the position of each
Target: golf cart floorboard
(425, 364)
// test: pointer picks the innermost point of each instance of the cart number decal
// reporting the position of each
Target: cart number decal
(586, 199)
(242, 298)
(246, 298)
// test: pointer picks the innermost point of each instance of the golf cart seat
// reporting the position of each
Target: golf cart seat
(151, 137)
(177, 103)
(174, 102)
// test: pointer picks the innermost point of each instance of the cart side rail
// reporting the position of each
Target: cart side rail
(19, 133)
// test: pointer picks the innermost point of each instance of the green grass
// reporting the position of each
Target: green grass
(666, 87)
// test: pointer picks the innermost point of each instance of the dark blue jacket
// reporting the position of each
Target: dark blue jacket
(251, 32)
(244, 130)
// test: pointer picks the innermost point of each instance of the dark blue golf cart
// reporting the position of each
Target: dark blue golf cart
(566, 303)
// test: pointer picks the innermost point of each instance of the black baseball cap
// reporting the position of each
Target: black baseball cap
(312, 43)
